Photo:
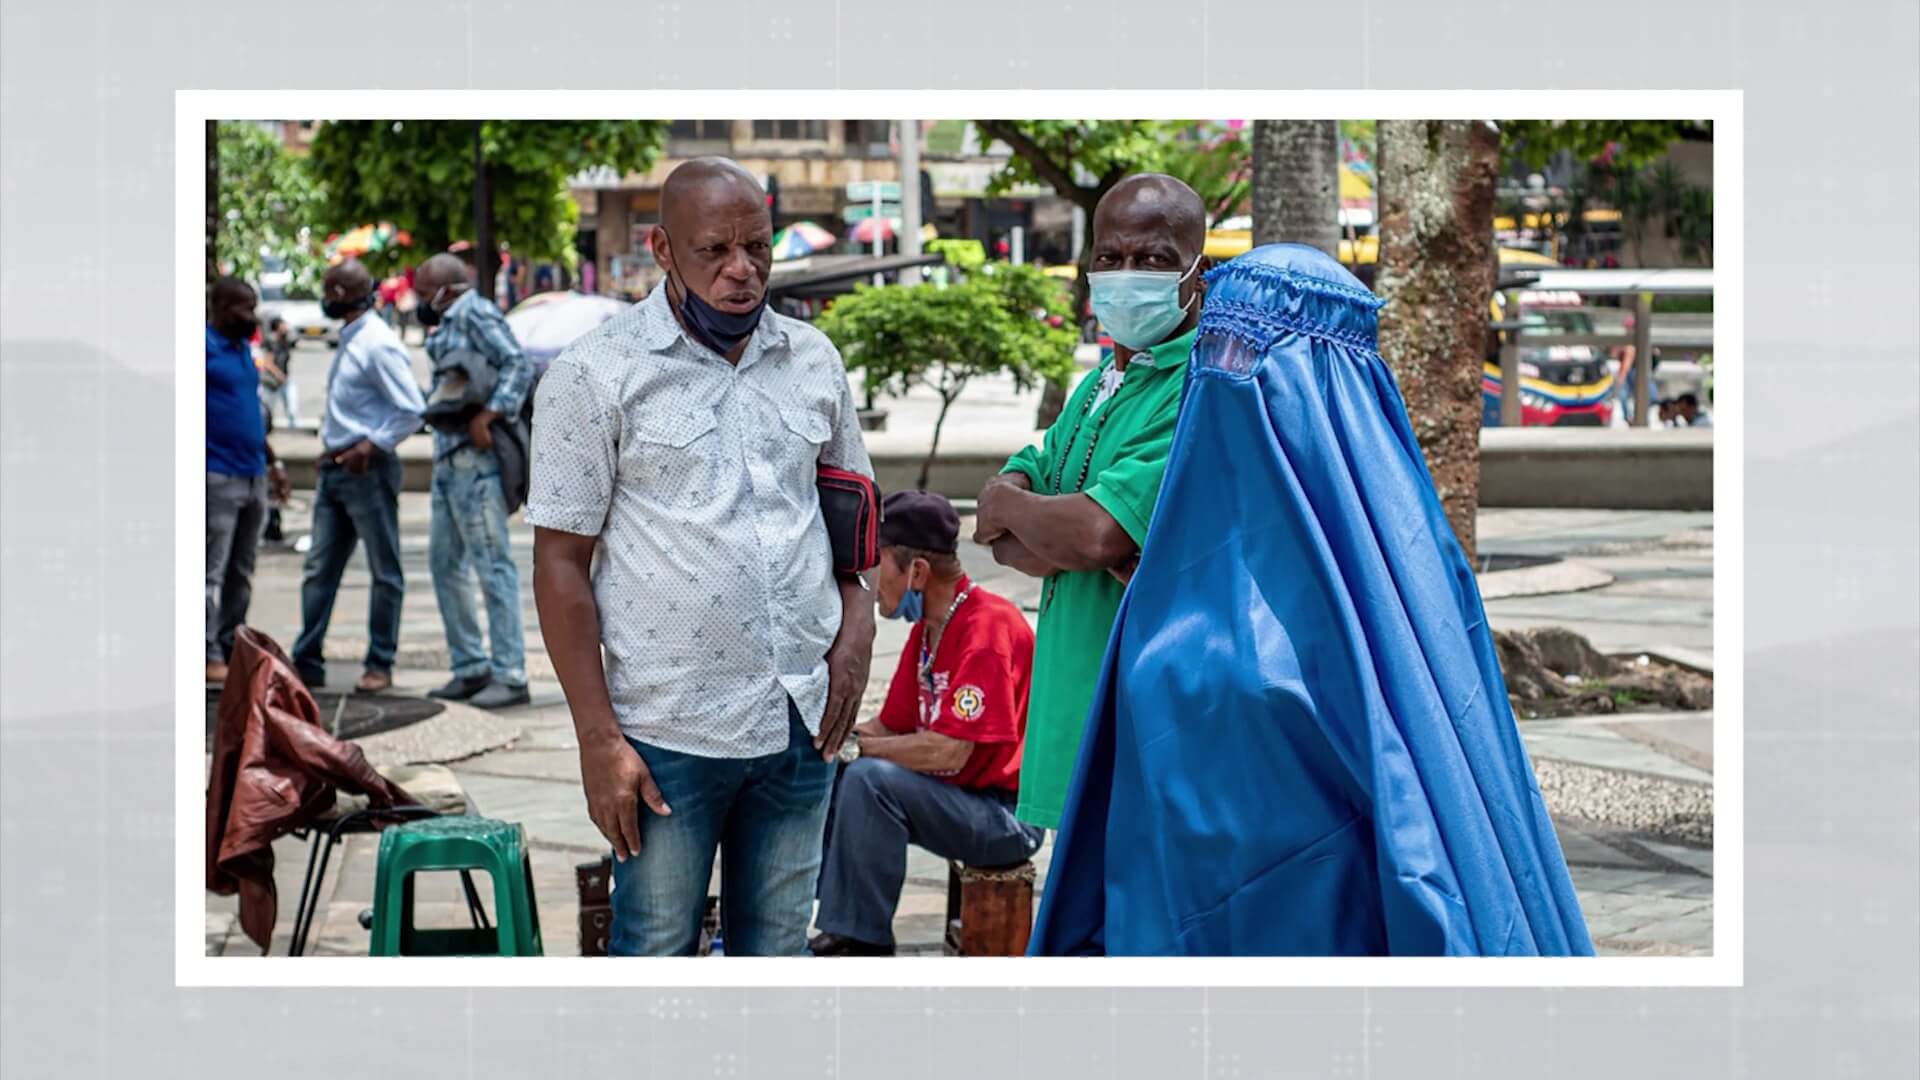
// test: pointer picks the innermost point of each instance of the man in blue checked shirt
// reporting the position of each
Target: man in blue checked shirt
(468, 535)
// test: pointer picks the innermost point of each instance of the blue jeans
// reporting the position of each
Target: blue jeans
(764, 814)
(878, 809)
(468, 535)
(349, 509)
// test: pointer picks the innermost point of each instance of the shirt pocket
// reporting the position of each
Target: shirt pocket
(807, 426)
(673, 453)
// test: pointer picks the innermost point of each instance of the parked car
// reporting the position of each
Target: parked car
(1560, 385)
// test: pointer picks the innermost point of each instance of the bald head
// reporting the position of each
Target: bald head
(715, 237)
(700, 186)
(228, 291)
(1155, 201)
(350, 278)
(443, 271)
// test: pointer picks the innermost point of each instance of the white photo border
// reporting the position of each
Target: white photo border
(1725, 967)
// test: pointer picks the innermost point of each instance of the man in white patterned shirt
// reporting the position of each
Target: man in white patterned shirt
(678, 443)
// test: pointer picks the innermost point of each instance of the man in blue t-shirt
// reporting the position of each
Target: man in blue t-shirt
(240, 466)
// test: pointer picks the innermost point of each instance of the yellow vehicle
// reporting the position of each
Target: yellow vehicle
(1224, 244)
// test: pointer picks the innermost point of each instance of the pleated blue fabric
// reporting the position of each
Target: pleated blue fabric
(1301, 743)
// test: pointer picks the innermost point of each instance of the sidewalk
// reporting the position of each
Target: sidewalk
(1629, 793)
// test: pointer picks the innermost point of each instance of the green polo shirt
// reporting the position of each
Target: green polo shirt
(1123, 447)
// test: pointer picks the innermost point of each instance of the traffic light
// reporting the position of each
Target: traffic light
(926, 197)
(773, 197)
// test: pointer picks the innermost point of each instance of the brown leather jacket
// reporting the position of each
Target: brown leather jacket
(275, 769)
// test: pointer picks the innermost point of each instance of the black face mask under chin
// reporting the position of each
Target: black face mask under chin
(717, 330)
(345, 309)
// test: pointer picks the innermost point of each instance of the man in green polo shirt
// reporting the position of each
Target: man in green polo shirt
(1075, 511)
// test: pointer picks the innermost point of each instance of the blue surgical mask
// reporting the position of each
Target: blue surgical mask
(1140, 307)
(717, 330)
(911, 607)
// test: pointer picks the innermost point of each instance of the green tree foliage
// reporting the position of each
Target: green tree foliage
(267, 204)
(418, 174)
(1003, 319)
(1081, 160)
(1219, 166)
(1624, 142)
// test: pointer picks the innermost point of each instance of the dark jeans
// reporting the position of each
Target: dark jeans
(878, 809)
(348, 509)
(236, 506)
(764, 815)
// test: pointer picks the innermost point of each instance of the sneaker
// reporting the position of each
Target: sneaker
(459, 688)
(836, 945)
(500, 696)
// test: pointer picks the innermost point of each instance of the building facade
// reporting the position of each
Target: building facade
(806, 166)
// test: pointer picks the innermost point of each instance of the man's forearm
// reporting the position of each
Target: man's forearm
(856, 611)
(1070, 532)
(1010, 551)
(923, 751)
(570, 625)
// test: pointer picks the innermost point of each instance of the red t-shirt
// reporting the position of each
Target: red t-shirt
(976, 690)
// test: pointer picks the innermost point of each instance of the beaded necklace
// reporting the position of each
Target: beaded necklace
(1086, 461)
(929, 647)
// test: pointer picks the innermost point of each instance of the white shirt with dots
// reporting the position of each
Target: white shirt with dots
(713, 574)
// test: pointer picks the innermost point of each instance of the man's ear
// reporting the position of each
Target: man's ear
(659, 244)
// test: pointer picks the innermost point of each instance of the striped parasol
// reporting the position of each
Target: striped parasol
(801, 238)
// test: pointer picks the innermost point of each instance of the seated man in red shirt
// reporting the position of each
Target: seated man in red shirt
(940, 766)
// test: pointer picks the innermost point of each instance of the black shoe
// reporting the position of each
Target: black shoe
(460, 689)
(314, 679)
(836, 945)
(500, 696)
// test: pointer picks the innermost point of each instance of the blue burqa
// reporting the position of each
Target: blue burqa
(1300, 744)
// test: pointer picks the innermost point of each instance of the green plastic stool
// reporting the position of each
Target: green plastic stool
(455, 843)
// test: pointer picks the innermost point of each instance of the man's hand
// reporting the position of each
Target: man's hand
(480, 429)
(987, 523)
(279, 488)
(357, 458)
(617, 782)
(848, 662)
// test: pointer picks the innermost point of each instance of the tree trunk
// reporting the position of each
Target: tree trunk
(1053, 396)
(947, 398)
(213, 201)
(1296, 183)
(1436, 274)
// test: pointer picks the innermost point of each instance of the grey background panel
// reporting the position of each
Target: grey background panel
(87, 512)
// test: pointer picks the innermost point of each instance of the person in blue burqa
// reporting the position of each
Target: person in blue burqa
(1300, 744)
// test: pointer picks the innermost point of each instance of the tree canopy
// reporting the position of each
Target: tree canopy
(1628, 143)
(267, 205)
(418, 174)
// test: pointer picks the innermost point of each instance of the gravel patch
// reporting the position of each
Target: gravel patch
(1649, 805)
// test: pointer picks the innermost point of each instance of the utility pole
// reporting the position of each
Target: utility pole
(486, 257)
(910, 196)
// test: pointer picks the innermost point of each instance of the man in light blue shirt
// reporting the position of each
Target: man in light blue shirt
(468, 536)
(372, 404)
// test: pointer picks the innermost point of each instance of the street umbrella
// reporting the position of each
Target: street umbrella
(365, 240)
(546, 324)
(863, 232)
(801, 238)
